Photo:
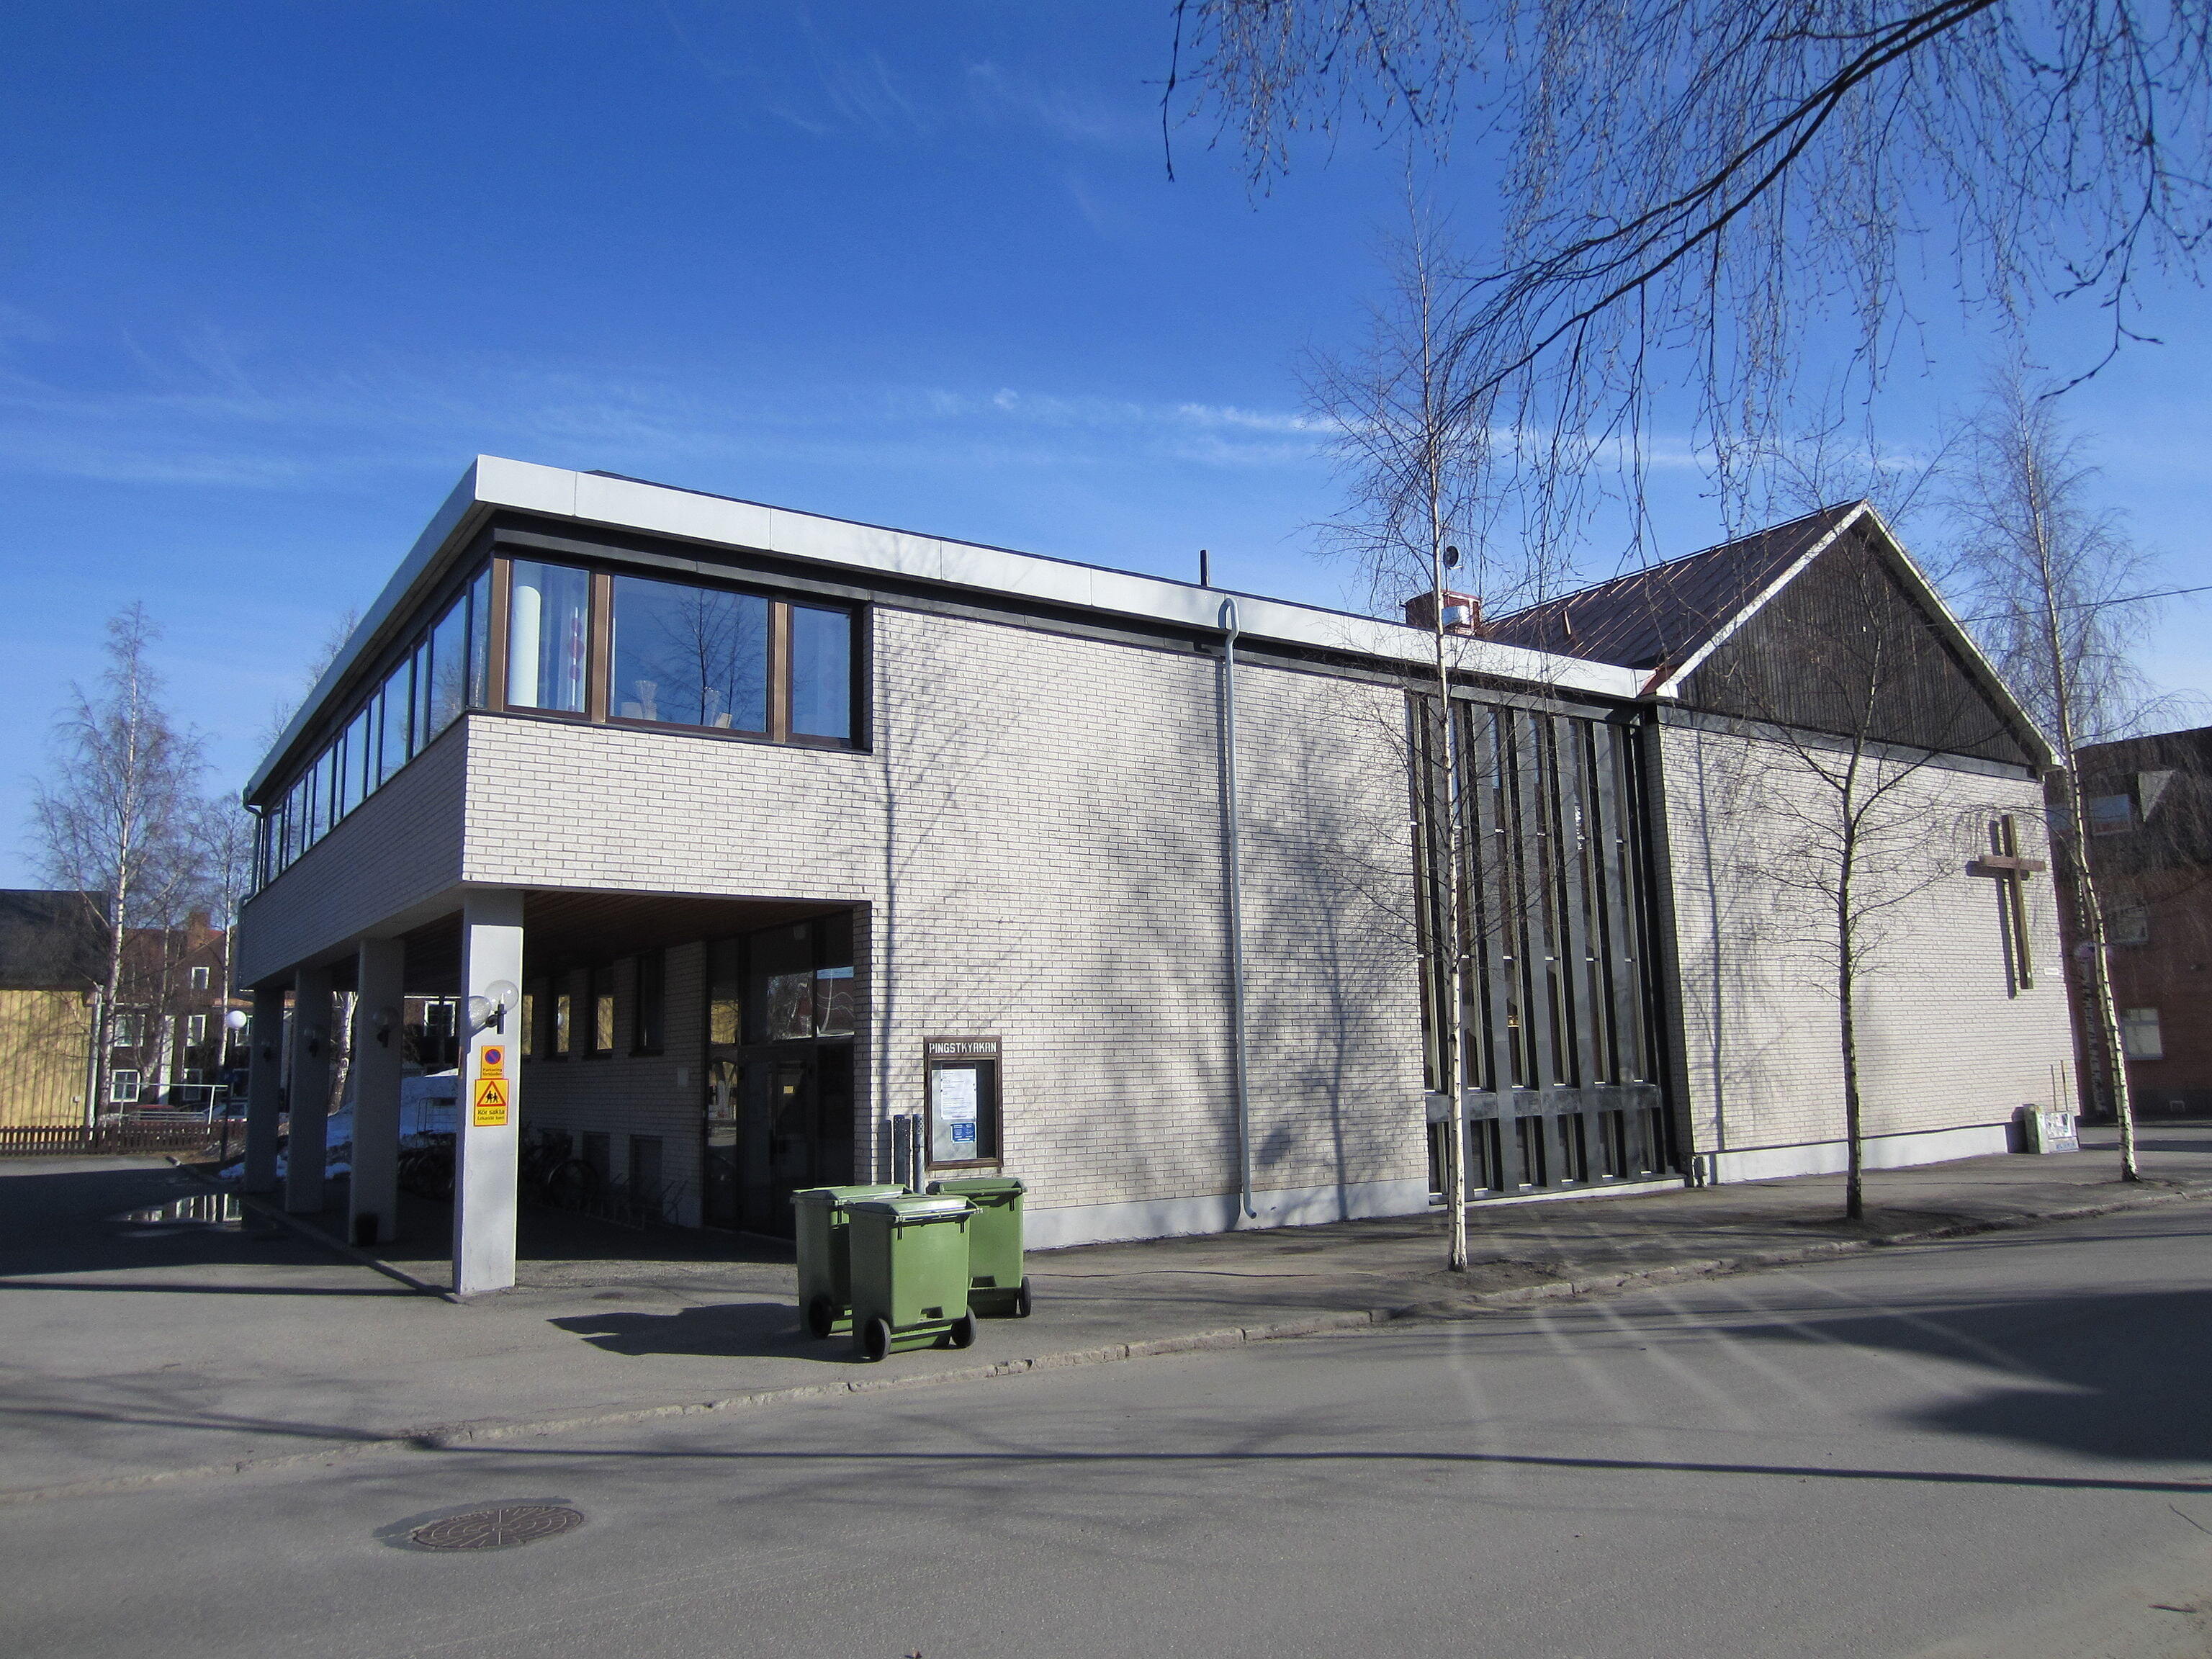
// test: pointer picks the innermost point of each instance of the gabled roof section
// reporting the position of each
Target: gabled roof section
(1663, 618)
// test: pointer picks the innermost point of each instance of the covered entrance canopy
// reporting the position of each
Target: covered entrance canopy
(695, 1053)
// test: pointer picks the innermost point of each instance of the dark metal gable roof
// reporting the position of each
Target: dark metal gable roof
(49, 941)
(1659, 616)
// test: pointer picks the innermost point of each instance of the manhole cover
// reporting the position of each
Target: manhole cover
(496, 1529)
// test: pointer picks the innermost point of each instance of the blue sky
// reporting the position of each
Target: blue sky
(270, 275)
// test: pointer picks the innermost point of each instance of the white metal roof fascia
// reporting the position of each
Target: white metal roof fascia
(1672, 685)
(555, 492)
(624, 504)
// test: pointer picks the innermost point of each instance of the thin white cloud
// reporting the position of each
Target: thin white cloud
(211, 412)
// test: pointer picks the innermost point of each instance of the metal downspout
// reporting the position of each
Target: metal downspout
(1232, 859)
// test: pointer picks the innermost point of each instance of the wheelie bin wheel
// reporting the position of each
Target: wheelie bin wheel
(1021, 1300)
(875, 1340)
(820, 1316)
(963, 1334)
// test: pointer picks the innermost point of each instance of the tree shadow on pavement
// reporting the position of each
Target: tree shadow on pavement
(2119, 1375)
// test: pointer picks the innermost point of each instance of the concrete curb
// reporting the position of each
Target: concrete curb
(456, 1436)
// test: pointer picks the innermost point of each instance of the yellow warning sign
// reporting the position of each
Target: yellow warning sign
(489, 1097)
(492, 1061)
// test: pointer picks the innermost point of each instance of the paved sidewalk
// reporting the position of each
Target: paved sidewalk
(138, 1350)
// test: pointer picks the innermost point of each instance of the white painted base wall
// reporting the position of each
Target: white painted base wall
(1829, 1157)
(1220, 1213)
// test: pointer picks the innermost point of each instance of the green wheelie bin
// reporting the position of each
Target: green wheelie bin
(998, 1287)
(825, 1255)
(910, 1274)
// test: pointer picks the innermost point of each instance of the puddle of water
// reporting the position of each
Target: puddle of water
(184, 1214)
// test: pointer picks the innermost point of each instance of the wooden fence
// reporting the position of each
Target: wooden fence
(194, 1136)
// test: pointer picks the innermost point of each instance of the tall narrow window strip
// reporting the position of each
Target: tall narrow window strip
(449, 688)
(295, 821)
(821, 673)
(319, 811)
(341, 799)
(399, 720)
(601, 1011)
(479, 691)
(690, 656)
(420, 672)
(547, 636)
(359, 758)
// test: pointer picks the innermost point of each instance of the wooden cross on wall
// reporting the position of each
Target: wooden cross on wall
(2003, 862)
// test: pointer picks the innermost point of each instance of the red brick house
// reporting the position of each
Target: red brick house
(2150, 816)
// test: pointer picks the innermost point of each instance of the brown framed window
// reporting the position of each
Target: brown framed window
(690, 656)
(549, 636)
(643, 650)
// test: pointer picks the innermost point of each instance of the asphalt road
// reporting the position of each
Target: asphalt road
(2002, 1446)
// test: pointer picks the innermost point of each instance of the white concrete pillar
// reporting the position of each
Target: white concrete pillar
(264, 1090)
(491, 1135)
(311, 1091)
(373, 1204)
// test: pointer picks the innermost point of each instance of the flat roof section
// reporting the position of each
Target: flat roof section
(493, 483)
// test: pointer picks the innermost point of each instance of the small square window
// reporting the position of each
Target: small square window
(2109, 815)
(199, 979)
(2139, 1034)
(123, 1088)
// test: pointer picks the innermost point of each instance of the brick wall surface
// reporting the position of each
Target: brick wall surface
(622, 1095)
(1035, 835)
(2170, 971)
(1945, 1039)
(399, 847)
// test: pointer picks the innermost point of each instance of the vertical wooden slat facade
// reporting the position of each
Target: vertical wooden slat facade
(1563, 1080)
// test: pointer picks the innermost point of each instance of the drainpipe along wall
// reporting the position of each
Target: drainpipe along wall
(1233, 869)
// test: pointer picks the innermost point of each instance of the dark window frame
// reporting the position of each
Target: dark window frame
(599, 985)
(648, 1018)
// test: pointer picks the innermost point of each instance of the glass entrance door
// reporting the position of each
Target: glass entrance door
(779, 1111)
(776, 1140)
(718, 1173)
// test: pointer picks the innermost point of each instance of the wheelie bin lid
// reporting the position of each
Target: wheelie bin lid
(981, 1186)
(842, 1195)
(915, 1208)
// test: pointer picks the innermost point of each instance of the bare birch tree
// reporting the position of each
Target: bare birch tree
(1711, 195)
(112, 821)
(1855, 708)
(1411, 453)
(2053, 581)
